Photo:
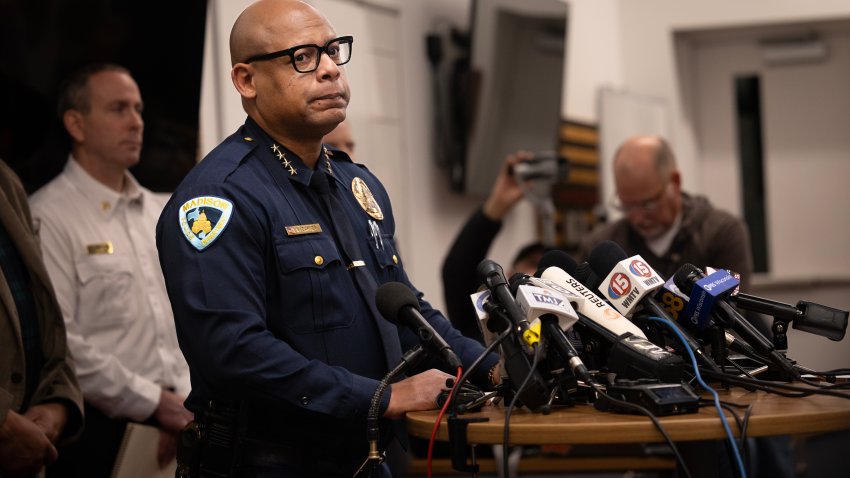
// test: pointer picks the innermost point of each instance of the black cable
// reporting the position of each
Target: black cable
(742, 423)
(763, 386)
(773, 386)
(747, 415)
(740, 369)
(726, 407)
(655, 421)
(837, 371)
(507, 433)
(410, 357)
(830, 376)
(743, 428)
(463, 378)
(813, 383)
(832, 386)
(743, 445)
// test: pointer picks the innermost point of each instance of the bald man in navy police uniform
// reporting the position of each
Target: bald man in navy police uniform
(270, 318)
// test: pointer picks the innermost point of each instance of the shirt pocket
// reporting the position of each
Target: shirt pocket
(316, 291)
(106, 290)
(386, 257)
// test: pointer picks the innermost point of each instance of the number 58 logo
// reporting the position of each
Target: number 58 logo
(673, 303)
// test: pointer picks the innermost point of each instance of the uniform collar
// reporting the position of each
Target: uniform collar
(98, 195)
(292, 166)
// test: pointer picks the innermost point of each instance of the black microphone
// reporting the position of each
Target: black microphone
(642, 281)
(398, 304)
(493, 276)
(687, 279)
(584, 274)
(807, 316)
(554, 314)
(552, 331)
(518, 368)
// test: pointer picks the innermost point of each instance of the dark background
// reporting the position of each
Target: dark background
(43, 41)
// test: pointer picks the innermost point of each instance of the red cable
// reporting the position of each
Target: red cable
(440, 419)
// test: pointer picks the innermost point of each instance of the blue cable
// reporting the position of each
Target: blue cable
(681, 337)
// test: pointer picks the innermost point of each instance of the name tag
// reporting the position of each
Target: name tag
(302, 229)
(101, 248)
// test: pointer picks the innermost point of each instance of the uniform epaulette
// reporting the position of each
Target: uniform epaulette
(337, 154)
(226, 157)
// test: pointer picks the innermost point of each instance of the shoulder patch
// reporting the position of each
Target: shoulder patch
(203, 219)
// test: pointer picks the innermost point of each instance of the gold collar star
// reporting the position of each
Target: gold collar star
(281, 156)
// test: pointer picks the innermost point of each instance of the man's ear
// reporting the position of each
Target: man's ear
(73, 121)
(242, 76)
(676, 179)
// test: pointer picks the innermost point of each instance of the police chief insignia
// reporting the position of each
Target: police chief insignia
(366, 199)
(202, 219)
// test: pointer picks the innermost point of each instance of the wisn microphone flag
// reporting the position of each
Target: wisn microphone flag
(705, 294)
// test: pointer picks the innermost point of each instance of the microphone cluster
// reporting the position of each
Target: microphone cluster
(601, 313)
(594, 328)
(603, 316)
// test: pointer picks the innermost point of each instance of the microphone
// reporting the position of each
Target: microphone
(709, 291)
(676, 302)
(631, 354)
(536, 394)
(630, 282)
(554, 266)
(399, 305)
(535, 301)
(552, 314)
(807, 316)
(586, 276)
(493, 276)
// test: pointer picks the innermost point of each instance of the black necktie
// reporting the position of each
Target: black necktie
(355, 262)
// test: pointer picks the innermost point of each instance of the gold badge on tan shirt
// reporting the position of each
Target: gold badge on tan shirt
(101, 248)
(366, 199)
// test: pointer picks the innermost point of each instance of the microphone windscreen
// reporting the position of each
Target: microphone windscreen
(605, 256)
(586, 276)
(684, 277)
(392, 297)
(517, 280)
(556, 258)
(486, 268)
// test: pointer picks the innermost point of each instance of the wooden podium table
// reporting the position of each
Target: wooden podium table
(772, 415)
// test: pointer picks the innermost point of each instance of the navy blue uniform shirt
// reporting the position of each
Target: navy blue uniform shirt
(266, 310)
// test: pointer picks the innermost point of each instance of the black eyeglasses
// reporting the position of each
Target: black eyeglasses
(306, 58)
